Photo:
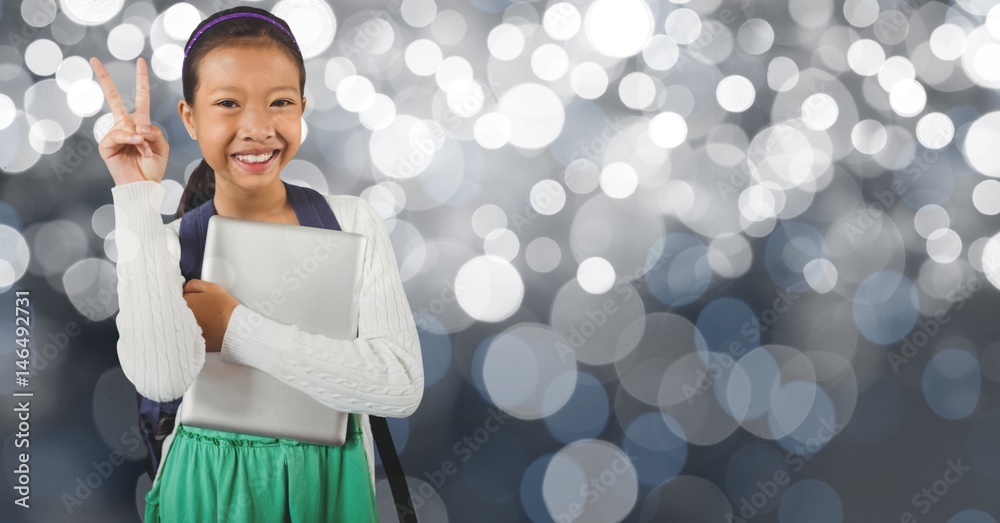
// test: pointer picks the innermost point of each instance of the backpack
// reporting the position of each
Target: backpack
(156, 419)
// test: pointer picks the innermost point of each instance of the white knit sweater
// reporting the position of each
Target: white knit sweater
(161, 347)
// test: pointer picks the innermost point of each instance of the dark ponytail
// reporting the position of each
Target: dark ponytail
(200, 188)
(236, 33)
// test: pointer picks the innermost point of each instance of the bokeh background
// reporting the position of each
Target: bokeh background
(682, 261)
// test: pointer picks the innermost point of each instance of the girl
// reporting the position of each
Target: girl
(243, 106)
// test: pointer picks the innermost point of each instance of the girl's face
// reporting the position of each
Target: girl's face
(247, 101)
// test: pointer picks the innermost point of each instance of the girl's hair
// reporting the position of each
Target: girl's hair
(243, 32)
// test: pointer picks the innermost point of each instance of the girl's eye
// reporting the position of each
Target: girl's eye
(287, 103)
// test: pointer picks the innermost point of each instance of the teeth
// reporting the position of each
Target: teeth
(255, 158)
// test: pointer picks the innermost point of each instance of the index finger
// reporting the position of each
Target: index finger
(110, 91)
(141, 92)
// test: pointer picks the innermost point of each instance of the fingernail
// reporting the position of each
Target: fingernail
(136, 137)
(143, 128)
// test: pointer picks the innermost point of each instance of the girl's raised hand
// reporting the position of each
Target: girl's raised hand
(134, 149)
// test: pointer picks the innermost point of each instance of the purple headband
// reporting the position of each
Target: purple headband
(236, 15)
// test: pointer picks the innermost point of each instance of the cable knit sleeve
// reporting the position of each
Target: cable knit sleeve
(160, 344)
(379, 373)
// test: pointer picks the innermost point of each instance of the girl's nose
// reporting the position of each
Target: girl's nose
(256, 124)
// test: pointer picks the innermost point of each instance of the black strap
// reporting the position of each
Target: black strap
(393, 469)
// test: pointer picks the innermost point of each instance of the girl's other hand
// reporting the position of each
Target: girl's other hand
(212, 307)
(134, 149)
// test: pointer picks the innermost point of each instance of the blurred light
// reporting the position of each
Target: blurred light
(561, 21)
(126, 42)
(935, 130)
(376, 111)
(451, 70)
(944, 245)
(865, 57)
(14, 256)
(582, 176)
(667, 130)
(891, 27)
(505, 42)
(543, 255)
(820, 274)
(619, 180)
(730, 255)
(422, 57)
(502, 243)
(986, 197)
(637, 90)
(885, 307)
(683, 25)
(819, 111)
(735, 93)
(972, 516)
(589, 80)
(7, 111)
(755, 36)
(869, 137)
(980, 144)
(861, 13)
(91, 281)
(547, 197)
(85, 98)
(87, 12)
(577, 472)
(595, 275)
(167, 61)
(43, 57)
(951, 383)
(418, 13)
(930, 218)
(526, 373)
(488, 288)
(312, 22)
(535, 113)
(658, 452)
(71, 69)
(782, 74)
(405, 148)
(465, 97)
(449, 27)
(549, 62)
(618, 28)
(180, 20)
(908, 97)
(492, 131)
(661, 53)
(38, 13)
(895, 70)
(352, 90)
(948, 42)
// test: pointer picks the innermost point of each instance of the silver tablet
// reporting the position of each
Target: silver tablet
(303, 276)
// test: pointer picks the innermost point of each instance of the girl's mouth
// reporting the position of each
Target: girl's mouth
(256, 163)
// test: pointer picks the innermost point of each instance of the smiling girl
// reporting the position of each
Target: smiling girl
(243, 81)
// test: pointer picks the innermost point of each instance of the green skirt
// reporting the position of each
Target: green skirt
(217, 476)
